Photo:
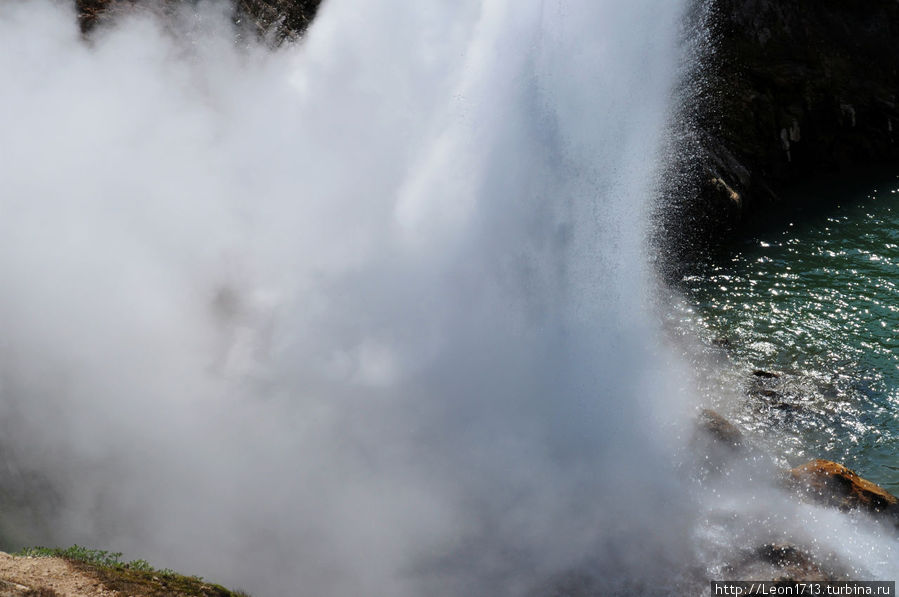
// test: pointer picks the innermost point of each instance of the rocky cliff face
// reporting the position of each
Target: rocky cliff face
(796, 89)
(280, 19)
(284, 18)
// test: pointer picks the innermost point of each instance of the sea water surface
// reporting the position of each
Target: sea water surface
(813, 296)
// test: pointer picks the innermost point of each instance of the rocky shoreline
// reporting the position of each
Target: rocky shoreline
(722, 448)
(820, 481)
(791, 92)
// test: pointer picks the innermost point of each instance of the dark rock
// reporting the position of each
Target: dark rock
(722, 342)
(283, 19)
(768, 398)
(278, 19)
(786, 406)
(765, 374)
(835, 485)
(91, 11)
(782, 555)
(774, 400)
(784, 562)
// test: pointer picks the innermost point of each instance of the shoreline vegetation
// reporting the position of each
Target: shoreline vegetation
(795, 91)
(56, 572)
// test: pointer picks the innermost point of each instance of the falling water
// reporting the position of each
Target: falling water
(365, 315)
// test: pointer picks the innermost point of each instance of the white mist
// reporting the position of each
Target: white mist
(367, 315)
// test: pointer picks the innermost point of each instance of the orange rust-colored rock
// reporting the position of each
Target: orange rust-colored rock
(836, 485)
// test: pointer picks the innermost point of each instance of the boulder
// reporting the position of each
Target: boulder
(761, 373)
(719, 429)
(833, 484)
(784, 562)
(715, 444)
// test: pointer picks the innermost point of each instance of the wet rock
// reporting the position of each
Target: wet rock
(719, 429)
(761, 373)
(786, 406)
(835, 485)
(282, 19)
(774, 399)
(715, 444)
(783, 555)
(783, 398)
(783, 562)
(722, 342)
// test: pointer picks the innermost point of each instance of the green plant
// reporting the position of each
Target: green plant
(137, 577)
(78, 553)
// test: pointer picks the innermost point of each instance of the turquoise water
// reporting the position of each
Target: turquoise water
(814, 297)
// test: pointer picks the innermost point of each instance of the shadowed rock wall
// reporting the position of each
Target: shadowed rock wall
(279, 18)
(797, 89)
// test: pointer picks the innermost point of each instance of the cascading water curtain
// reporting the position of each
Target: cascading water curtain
(363, 315)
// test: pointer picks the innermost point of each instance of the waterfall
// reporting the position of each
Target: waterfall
(369, 314)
